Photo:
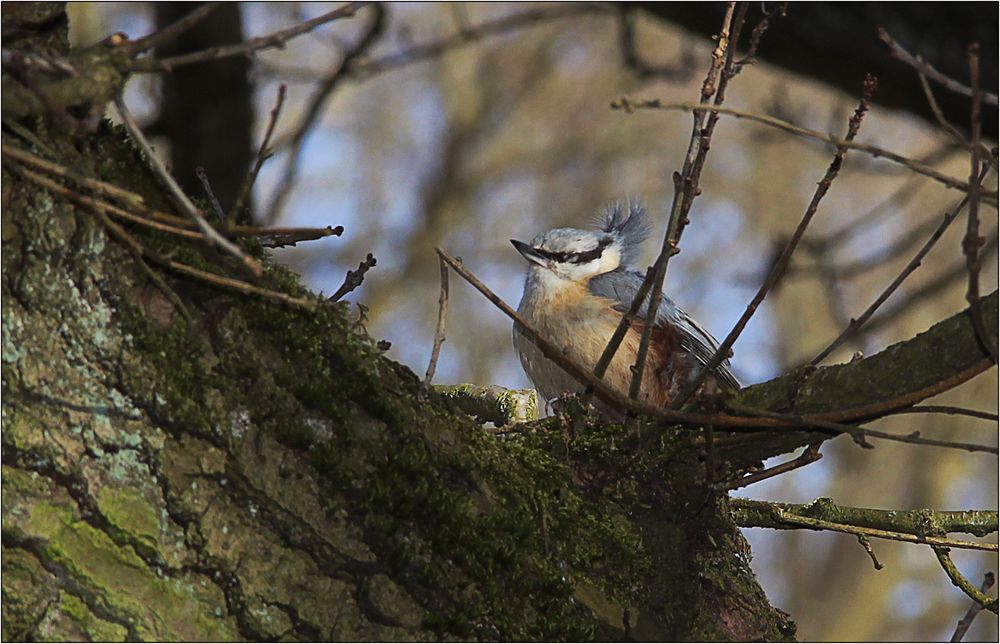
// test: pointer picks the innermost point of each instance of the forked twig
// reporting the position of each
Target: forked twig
(630, 105)
(959, 580)
(963, 624)
(263, 154)
(686, 181)
(857, 323)
(832, 171)
(181, 199)
(354, 278)
(922, 66)
(972, 240)
(171, 31)
(270, 41)
(811, 454)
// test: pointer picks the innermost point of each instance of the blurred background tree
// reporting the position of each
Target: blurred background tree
(464, 125)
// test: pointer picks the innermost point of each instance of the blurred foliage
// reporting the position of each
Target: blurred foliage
(509, 135)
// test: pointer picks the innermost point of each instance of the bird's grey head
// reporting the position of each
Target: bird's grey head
(578, 255)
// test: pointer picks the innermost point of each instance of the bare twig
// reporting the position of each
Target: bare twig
(354, 278)
(317, 101)
(630, 105)
(212, 199)
(963, 624)
(863, 540)
(102, 208)
(859, 434)
(857, 323)
(832, 171)
(181, 199)
(941, 282)
(959, 580)
(107, 208)
(944, 409)
(111, 190)
(270, 41)
(240, 285)
(263, 153)
(972, 240)
(924, 68)
(171, 31)
(758, 32)
(686, 181)
(275, 236)
(28, 136)
(442, 316)
(811, 454)
(421, 52)
(281, 237)
(616, 338)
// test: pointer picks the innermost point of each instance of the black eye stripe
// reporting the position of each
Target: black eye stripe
(576, 258)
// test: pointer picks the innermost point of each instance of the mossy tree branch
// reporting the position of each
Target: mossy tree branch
(760, 514)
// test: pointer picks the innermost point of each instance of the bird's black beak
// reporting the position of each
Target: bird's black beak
(528, 252)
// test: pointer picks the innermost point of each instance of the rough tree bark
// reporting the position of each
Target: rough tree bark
(264, 472)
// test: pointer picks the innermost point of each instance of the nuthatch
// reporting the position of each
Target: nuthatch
(578, 289)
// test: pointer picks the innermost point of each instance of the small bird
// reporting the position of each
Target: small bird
(578, 288)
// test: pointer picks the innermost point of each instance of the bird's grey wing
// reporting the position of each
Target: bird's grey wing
(622, 285)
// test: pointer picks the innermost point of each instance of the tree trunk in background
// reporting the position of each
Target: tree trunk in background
(207, 109)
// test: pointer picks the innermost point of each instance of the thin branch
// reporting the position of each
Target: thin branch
(923, 67)
(134, 244)
(171, 31)
(944, 409)
(972, 240)
(686, 181)
(178, 195)
(941, 282)
(758, 33)
(160, 220)
(963, 624)
(354, 278)
(442, 317)
(263, 154)
(859, 434)
(314, 110)
(270, 41)
(281, 237)
(630, 105)
(212, 199)
(857, 323)
(811, 454)
(832, 171)
(616, 338)
(422, 52)
(111, 190)
(959, 580)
